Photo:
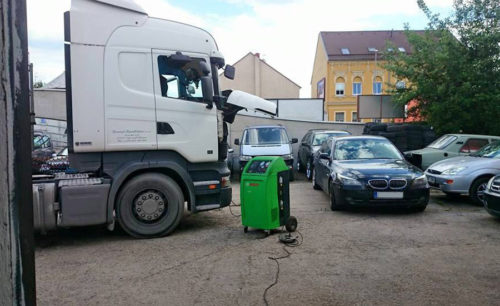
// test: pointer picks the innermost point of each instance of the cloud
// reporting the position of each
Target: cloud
(285, 32)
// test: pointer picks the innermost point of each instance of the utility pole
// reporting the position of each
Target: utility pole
(17, 265)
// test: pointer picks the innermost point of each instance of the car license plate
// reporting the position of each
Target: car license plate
(431, 179)
(388, 195)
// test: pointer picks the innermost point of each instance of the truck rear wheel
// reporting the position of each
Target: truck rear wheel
(150, 205)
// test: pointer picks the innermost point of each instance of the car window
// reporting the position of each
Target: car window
(473, 145)
(320, 137)
(180, 82)
(265, 136)
(306, 137)
(442, 142)
(351, 149)
(490, 151)
(41, 142)
(324, 147)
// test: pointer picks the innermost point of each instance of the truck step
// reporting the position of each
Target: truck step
(80, 182)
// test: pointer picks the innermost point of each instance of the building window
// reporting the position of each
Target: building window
(340, 87)
(401, 49)
(345, 51)
(354, 117)
(377, 86)
(339, 116)
(356, 86)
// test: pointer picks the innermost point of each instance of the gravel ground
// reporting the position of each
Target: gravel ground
(448, 254)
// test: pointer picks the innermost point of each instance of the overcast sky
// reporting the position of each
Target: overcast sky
(284, 32)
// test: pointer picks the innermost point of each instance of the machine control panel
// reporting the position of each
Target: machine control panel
(258, 166)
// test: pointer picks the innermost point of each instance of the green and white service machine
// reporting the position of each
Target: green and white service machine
(265, 195)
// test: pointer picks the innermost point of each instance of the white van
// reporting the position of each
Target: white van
(266, 141)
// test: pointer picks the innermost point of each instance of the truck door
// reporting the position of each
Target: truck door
(183, 121)
(129, 100)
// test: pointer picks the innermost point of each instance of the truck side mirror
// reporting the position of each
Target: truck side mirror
(295, 140)
(237, 142)
(229, 72)
(208, 90)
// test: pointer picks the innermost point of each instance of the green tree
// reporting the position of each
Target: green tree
(453, 73)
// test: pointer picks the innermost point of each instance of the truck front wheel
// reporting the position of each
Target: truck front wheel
(150, 205)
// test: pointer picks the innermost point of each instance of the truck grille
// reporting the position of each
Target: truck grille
(397, 183)
(378, 183)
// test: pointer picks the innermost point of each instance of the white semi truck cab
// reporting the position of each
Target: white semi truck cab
(147, 122)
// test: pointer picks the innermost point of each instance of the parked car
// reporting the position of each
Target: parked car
(311, 142)
(466, 174)
(492, 196)
(266, 141)
(42, 151)
(446, 146)
(58, 163)
(368, 171)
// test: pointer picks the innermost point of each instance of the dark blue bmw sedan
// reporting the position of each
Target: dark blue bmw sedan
(368, 171)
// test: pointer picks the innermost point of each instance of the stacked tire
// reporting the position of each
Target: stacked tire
(405, 136)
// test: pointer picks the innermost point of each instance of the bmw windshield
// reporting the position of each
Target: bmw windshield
(352, 149)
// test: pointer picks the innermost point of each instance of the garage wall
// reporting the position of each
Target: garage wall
(50, 103)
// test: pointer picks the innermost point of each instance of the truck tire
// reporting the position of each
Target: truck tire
(150, 205)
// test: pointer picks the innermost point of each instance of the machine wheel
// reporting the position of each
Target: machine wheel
(477, 190)
(245, 229)
(291, 224)
(309, 170)
(150, 205)
(315, 186)
(333, 203)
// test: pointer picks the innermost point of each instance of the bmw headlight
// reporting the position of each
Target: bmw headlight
(420, 182)
(453, 171)
(348, 181)
(245, 157)
(287, 156)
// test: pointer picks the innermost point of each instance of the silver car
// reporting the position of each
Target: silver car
(467, 175)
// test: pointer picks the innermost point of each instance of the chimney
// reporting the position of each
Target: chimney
(257, 54)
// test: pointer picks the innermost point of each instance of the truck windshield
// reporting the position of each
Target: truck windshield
(265, 136)
(442, 142)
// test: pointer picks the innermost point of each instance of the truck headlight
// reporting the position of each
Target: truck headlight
(420, 182)
(348, 181)
(453, 171)
(287, 156)
(225, 181)
(245, 157)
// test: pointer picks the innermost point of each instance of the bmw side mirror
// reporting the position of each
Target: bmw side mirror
(295, 140)
(237, 142)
